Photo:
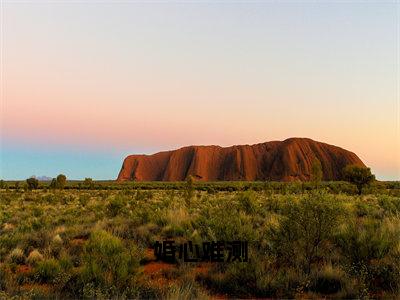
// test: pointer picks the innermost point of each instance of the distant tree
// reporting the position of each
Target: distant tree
(32, 183)
(189, 187)
(53, 184)
(316, 172)
(359, 176)
(3, 184)
(88, 182)
(61, 181)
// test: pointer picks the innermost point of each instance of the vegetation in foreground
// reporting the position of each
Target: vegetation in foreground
(305, 240)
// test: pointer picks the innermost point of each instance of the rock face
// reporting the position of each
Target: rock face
(288, 160)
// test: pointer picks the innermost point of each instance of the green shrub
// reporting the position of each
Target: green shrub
(247, 201)
(359, 176)
(56, 245)
(88, 182)
(360, 243)
(171, 231)
(107, 262)
(17, 256)
(391, 205)
(3, 184)
(32, 183)
(34, 258)
(188, 289)
(328, 281)
(84, 199)
(316, 172)
(115, 205)
(61, 181)
(143, 195)
(225, 222)
(307, 226)
(49, 198)
(145, 234)
(47, 270)
(53, 184)
(371, 252)
(189, 188)
(39, 239)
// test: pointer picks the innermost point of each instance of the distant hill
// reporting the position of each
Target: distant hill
(287, 160)
(42, 178)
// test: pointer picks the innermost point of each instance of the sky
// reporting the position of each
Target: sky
(85, 83)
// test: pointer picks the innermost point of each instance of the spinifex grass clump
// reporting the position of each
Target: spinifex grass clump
(17, 256)
(371, 252)
(108, 263)
(34, 258)
(46, 271)
(116, 205)
(306, 229)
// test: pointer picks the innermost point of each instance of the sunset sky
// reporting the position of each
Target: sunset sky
(85, 83)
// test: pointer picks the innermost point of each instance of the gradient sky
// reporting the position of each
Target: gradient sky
(84, 83)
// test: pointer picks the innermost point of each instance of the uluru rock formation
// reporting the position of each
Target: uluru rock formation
(287, 160)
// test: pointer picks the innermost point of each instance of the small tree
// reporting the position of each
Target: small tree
(88, 182)
(305, 230)
(359, 176)
(3, 184)
(61, 181)
(316, 172)
(32, 183)
(53, 184)
(189, 188)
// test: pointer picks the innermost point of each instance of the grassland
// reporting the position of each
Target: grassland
(95, 241)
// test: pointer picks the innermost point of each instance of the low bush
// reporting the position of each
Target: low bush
(372, 253)
(34, 258)
(328, 281)
(17, 256)
(107, 262)
(46, 271)
(247, 201)
(116, 205)
(305, 230)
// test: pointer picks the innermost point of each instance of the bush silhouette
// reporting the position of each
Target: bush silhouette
(307, 225)
(108, 262)
(88, 182)
(32, 183)
(359, 176)
(316, 172)
(61, 181)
